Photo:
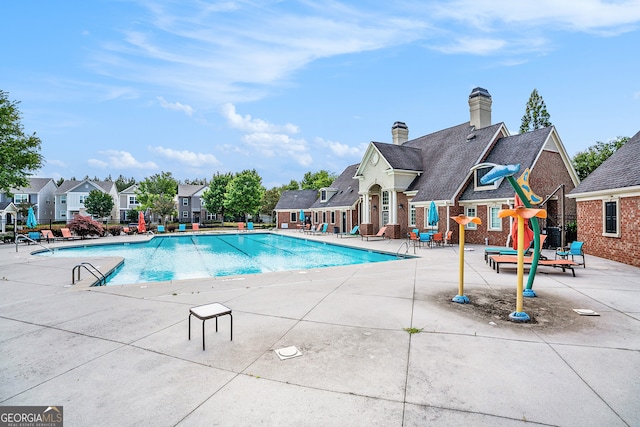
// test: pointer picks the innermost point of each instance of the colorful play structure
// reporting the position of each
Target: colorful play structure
(462, 221)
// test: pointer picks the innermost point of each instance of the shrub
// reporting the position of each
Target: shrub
(115, 230)
(85, 226)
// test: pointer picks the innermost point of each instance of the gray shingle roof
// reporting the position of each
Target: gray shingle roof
(523, 149)
(188, 190)
(35, 185)
(296, 199)
(447, 156)
(69, 185)
(347, 193)
(620, 170)
(400, 157)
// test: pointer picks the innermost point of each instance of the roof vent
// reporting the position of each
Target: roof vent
(471, 136)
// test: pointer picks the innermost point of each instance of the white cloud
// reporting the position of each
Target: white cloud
(54, 162)
(120, 160)
(249, 124)
(472, 45)
(280, 145)
(185, 157)
(187, 109)
(342, 150)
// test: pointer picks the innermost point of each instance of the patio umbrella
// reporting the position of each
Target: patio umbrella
(302, 218)
(433, 214)
(31, 219)
(142, 227)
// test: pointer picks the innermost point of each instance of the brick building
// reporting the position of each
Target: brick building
(608, 206)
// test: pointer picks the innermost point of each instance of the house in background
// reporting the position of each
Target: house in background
(608, 205)
(398, 181)
(128, 200)
(8, 213)
(289, 206)
(70, 197)
(40, 193)
(339, 204)
(189, 203)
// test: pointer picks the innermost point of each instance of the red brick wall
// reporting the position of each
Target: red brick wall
(548, 173)
(590, 225)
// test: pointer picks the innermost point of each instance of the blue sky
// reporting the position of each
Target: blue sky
(198, 87)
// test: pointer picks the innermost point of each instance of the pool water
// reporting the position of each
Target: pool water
(200, 256)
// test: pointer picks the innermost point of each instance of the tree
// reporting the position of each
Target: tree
(536, 115)
(585, 162)
(292, 185)
(213, 197)
(19, 153)
(270, 200)
(318, 180)
(99, 204)
(85, 226)
(157, 193)
(123, 183)
(244, 193)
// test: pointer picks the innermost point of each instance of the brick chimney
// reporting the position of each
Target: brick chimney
(400, 133)
(480, 108)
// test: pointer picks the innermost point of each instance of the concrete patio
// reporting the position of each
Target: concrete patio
(119, 355)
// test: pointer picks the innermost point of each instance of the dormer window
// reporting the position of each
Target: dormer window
(478, 174)
(323, 195)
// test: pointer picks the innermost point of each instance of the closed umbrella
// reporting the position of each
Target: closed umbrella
(433, 219)
(142, 227)
(302, 218)
(31, 219)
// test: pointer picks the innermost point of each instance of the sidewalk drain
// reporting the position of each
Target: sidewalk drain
(288, 352)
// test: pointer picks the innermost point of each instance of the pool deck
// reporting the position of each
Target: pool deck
(119, 355)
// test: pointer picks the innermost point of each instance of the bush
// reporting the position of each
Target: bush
(115, 230)
(84, 226)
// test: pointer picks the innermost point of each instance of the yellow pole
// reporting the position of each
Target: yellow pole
(461, 249)
(520, 263)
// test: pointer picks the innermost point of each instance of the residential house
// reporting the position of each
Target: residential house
(339, 204)
(189, 201)
(39, 194)
(8, 214)
(291, 205)
(128, 200)
(608, 205)
(70, 197)
(396, 182)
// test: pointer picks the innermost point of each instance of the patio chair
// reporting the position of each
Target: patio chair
(574, 250)
(182, 227)
(48, 235)
(241, 226)
(250, 226)
(352, 233)
(426, 238)
(437, 239)
(195, 227)
(448, 238)
(66, 234)
(415, 238)
(161, 229)
(378, 235)
(322, 229)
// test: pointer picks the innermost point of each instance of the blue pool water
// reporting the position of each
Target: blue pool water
(200, 256)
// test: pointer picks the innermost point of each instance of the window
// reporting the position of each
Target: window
(210, 216)
(21, 198)
(324, 217)
(479, 186)
(471, 211)
(133, 201)
(293, 217)
(495, 223)
(63, 214)
(611, 218)
(82, 198)
(323, 195)
(333, 217)
(412, 214)
(185, 201)
(63, 200)
(315, 214)
(185, 214)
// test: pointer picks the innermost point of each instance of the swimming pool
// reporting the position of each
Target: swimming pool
(199, 256)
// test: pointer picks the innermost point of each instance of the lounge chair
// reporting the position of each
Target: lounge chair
(322, 229)
(195, 227)
(509, 251)
(66, 234)
(182, 227)
(378, 235)
(314, 228)
(352, 233)
(161, 229)
(241, 226)
(48, 234)
(250, 226)
(448, 239)
(573, 251)
(564, 264)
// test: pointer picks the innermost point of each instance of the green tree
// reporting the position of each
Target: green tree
(19, 153)
(536, 115)
(244, 193)
(157, 193)
(270, 200)
(585, 162)
(99, 204)
(123, 183)
(213, 197)
(317, 180)
(292, 185)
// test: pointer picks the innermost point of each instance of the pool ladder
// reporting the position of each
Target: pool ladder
(102, 280)
(405, 243)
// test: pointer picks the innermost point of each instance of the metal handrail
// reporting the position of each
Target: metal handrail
(405, 243)
(102, 280)
(25, 237)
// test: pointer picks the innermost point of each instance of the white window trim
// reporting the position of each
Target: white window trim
(185, 201)
(604, 217)
(489, 223)
(477, 185)
(411, 220)
(471, 225)
(293, 216)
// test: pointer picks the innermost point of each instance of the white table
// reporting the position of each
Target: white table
(210, 311)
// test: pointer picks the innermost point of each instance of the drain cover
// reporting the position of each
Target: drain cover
(288, 352)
